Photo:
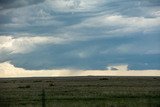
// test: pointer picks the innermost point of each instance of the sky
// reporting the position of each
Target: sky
(52, 36)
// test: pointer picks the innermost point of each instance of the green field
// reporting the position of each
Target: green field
(86, 91)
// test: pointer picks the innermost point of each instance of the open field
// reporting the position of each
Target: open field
(86, 91)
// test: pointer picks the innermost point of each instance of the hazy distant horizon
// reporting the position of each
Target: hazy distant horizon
(121, 70)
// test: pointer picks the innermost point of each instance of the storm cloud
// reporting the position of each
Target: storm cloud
(80, 34)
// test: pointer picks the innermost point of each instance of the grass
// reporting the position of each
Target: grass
(81, 92)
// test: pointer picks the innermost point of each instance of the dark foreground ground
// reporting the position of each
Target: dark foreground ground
(80, 92)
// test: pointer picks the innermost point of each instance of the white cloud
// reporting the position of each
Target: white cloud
(118, 67)
(27, 44)
(132, 21)
(26, 15)
(156, 13)
(120, 24)
(74, 5)
(9, 70)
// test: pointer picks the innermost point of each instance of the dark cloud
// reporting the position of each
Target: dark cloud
(69, 55)
(130, 36)
(6, 4)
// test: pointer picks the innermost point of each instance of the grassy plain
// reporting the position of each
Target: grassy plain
(89, 91)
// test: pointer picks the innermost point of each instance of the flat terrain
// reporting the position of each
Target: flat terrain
(89, 91)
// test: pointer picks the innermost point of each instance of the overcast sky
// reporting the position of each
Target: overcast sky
(80, 34)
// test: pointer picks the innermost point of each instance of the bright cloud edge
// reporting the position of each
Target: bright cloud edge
(8, 70)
